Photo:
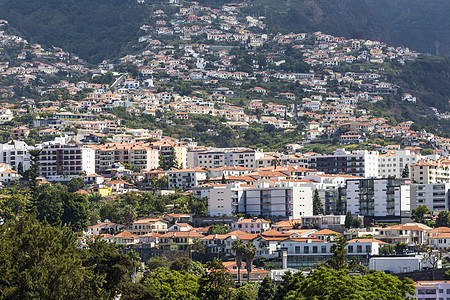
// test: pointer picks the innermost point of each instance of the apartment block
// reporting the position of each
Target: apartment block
(62, 162)
(382, 200)
(361, 163)
(265, 199)
(186, 179)
(393, 163)
(220, 157)
(431, 171)
(435, 196)
(139, 155)
(15, 152)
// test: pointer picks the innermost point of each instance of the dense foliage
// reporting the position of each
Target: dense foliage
(94, 30)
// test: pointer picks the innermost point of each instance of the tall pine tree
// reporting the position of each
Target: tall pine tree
(317, 204)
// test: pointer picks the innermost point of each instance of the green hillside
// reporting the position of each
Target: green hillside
(417, 24)
(92, 29)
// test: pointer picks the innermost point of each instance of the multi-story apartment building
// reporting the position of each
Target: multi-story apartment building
(14, 153)
(431, 171)
(186, 179)
(139, 155)
(435, 196)
(265, 199)
(219, 157)
(383, 200)
(283, 160)
(172, 151)
(357, 163)
(393, 163)
(62, 162)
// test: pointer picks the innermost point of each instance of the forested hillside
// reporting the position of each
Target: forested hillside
(94, 30)
(417, 24)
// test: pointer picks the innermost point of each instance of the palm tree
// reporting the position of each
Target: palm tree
(249, 256)
(239, 248)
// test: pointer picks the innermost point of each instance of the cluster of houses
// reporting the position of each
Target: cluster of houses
(294, 244)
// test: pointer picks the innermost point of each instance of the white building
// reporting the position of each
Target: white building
(393, 163)
(15, 152)
(220, 157)
(6, 115)
(435, 196)
(264, 199)
(186, 179)
(7, 174)
(386, 200)
(398, 264)
(62, 162)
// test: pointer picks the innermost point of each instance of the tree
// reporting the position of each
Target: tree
(224, 180)
(157, 262)
(218, 229)
(400, 248)
(33, 171)
(20, 168)
(339, 259)
(418, 214)
(266, 290)
(75, 184)
(238, 247)
(216, 284)
(317, 204)
(326, 283)
(40, 261)
(443, 218)
(386, 250)
(289, 283)
(104, 259)
(13, 207)
(348, 220)
(405, 173)
(170, 284)
(352, 222)
(249, 255)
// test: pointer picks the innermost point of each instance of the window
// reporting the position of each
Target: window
(368, 249)
(297, 249)
(315, 249)
(306, 249)
(323, 249)
(359, 248)
(350, 249)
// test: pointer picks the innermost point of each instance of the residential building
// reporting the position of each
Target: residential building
(223, 157)
(62, 162)
(149, 225)
(7, 174)
(430, 171)
(139, 155)
(435, 196)
(179, 240)
(253, 226)
(428, 290)
(382, 200)
(186, 179)
(361, 163)
(393, 163)
(409, 233)
(265, 199)
(15, 152)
